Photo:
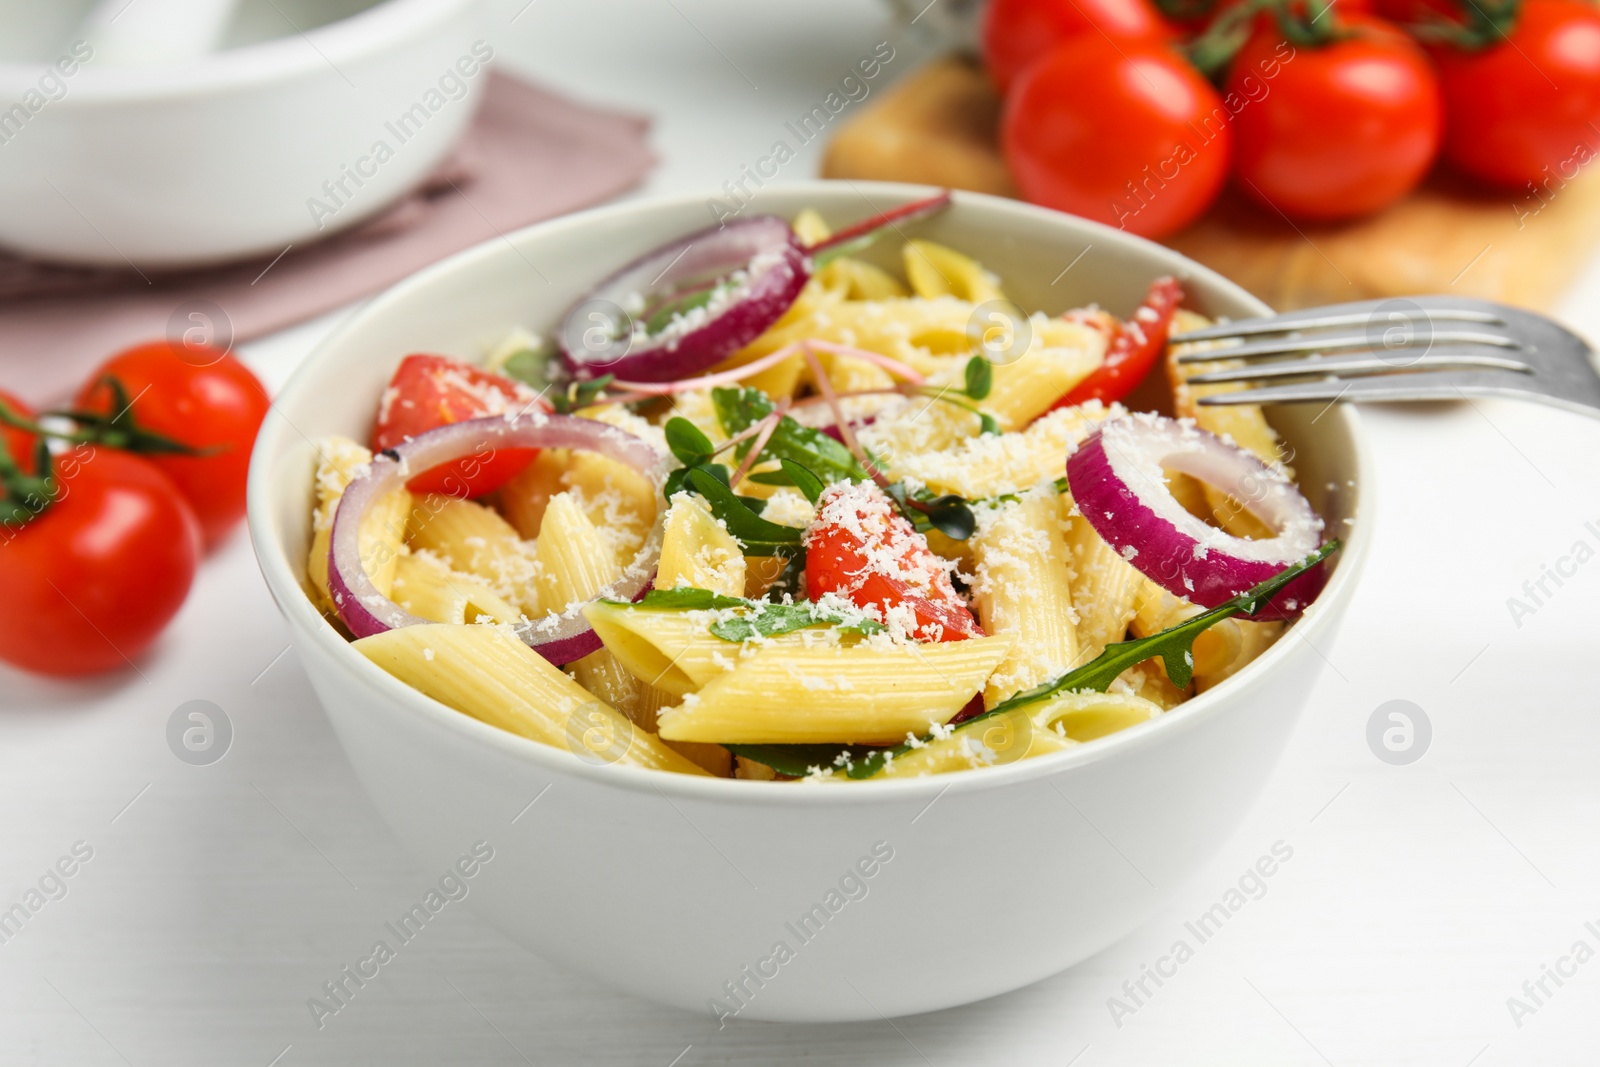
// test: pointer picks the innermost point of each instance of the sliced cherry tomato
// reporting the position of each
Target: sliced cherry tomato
(1134, 348)
(198, 396)
(1017, 33)
(20, 444)
(432, 391)
(861, 548)
(1526, 109)
(1125, 133)
(1346, 128)
(94, 578)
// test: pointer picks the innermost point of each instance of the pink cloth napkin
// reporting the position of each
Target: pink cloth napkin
(529, 155)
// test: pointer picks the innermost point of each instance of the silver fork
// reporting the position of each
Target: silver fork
(1424, 348)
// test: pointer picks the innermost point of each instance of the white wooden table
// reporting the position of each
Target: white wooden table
(1418, 898)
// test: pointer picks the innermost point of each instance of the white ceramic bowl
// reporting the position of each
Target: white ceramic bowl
(666, 887)
(219, 159)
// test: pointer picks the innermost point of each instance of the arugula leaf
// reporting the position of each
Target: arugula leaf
(740, 408)
(760, 537)
(1060, 484)
(581, 394)
(771, 619)
(688, 442)
(829, 461)
(1174, 646)
(793, 760)
(685, 598)
(951, 515)
(683, 303)
(678, 480)
(980, 377)
(803, 480)
(765, 619)
(537, 367)
(542, 369)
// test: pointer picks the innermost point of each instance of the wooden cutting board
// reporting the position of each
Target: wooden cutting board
(939, 126)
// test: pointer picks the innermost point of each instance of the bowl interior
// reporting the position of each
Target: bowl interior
(1047, 262)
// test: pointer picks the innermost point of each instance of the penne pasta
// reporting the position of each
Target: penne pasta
(474, 539)
(1004, 738)
(992, 464)
(424, 586)
(573, 565)
(810, 227)
(851, 695)
(854, 279)
(1027, 387)
(1254, 639)
(1157, 610)
(676, 650)
(1149, 680)
(1088, 716)
(935, 270)
(1022, 587)
(485, 672)
(751, 770)
(1105, 586)
(619, 501)
(698, 551)
(713, 759)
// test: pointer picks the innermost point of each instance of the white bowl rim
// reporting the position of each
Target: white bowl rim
(301, 613)
(265, 63)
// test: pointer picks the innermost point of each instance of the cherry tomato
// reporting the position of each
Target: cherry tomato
(1016, 33)
(1345, 129)
(1134, 348)
(865, 551)
(432, 391)
(1526, 110)
(20, 444)
(201, 397)
(94, 578)
(1413, 12)
(1125, 133)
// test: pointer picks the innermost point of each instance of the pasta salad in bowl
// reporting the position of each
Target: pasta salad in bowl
(845, 494)
(797, 516)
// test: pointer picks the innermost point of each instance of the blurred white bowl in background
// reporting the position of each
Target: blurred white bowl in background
(279, 140)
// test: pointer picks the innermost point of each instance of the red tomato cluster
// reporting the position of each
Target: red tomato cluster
(1136, 113)
(101, 534)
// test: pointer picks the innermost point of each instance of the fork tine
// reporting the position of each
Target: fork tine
(1359, 366)
(1358, 314)
(1427, 385)
(1323, 342)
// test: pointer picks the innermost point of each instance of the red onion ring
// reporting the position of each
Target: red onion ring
(764, 246)
(1117, 483)
(559, 638)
